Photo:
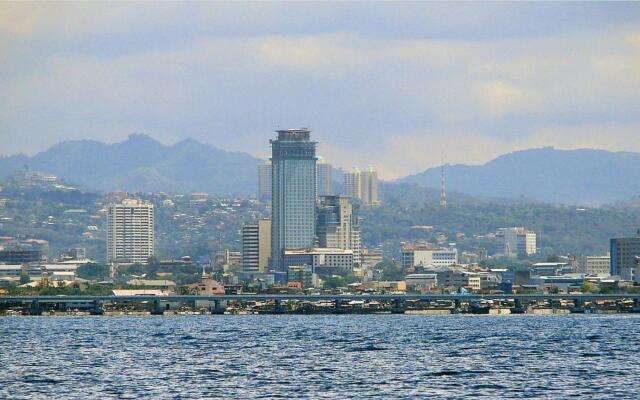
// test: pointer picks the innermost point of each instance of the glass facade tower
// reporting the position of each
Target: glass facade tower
(293, 192)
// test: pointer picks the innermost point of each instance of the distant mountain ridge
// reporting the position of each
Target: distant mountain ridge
(585, 176)
(142, 164)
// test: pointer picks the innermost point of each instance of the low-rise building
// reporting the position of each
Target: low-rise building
(320, 257)
(597, 265)
(421, 282)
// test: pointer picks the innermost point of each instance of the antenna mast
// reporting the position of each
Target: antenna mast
(443, 193)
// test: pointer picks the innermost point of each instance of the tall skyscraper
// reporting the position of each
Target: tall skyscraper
(293, 192)
(130, 231)
(625, 257)
(264, 181)
(256, 246)
(338, 225)
(352, 185)
(323, 175)
(362, 185)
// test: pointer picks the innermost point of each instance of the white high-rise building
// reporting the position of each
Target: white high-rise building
(264, 181)
(369, 187)
(352, 185)
(362, 185)
(323, 175)
(516, 241)
(256, 246)
(130, 231)
(338, 225)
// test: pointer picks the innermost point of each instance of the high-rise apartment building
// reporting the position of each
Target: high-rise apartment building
(352, 186)
(323, 175)
(256, 246)
(293, 192)
(515, 242)
(338, 226)
(264, 181)
(362, 185)
(625, 257)
(369, 187)
(130, 231)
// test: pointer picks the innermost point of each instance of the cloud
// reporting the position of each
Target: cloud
(393, 87)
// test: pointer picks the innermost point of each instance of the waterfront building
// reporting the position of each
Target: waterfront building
(264, 181)
(483, 281)
(293, 223)
(421, 282)
(425, 254)
(320, 258)
(130, 231)
(302, 275)
(597, 265)
(625, 257)
(337, 225)
(515, 242)
(324, 177)
(256, 246)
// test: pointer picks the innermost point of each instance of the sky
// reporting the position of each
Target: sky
(395, 85)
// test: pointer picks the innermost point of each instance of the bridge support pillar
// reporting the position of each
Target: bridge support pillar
(398, 307)
(636, 305)
(337, 306)
(578, 306)
(277, 306)
(97, 308)
(156, 308)
(518, 307)
(217, 307)
(457, 305)
(34, 308)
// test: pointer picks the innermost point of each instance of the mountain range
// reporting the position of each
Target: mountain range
(142, 164)
(585, 176)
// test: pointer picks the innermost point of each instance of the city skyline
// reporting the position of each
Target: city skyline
(476, 80)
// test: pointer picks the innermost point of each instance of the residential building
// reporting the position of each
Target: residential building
(17, 256)
(515, 242)
(293, 223)
(625, 257)
(324, 177)
(302, 274)
(130, 231)
(337, 225)
(264, 181)
(426, 254)
(597, 265)
(352, 185)
(256, 246)
(362, 185)
(369, 187)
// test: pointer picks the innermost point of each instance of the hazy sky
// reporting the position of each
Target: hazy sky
(388, 84)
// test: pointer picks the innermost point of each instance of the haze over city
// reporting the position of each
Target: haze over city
(392, 86)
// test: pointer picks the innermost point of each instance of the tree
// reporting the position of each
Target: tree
(24, 279)
(589, 287)
(152, 267)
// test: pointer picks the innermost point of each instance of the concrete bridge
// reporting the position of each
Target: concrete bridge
(398, 301)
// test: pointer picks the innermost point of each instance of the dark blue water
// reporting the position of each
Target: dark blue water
(370, 356)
